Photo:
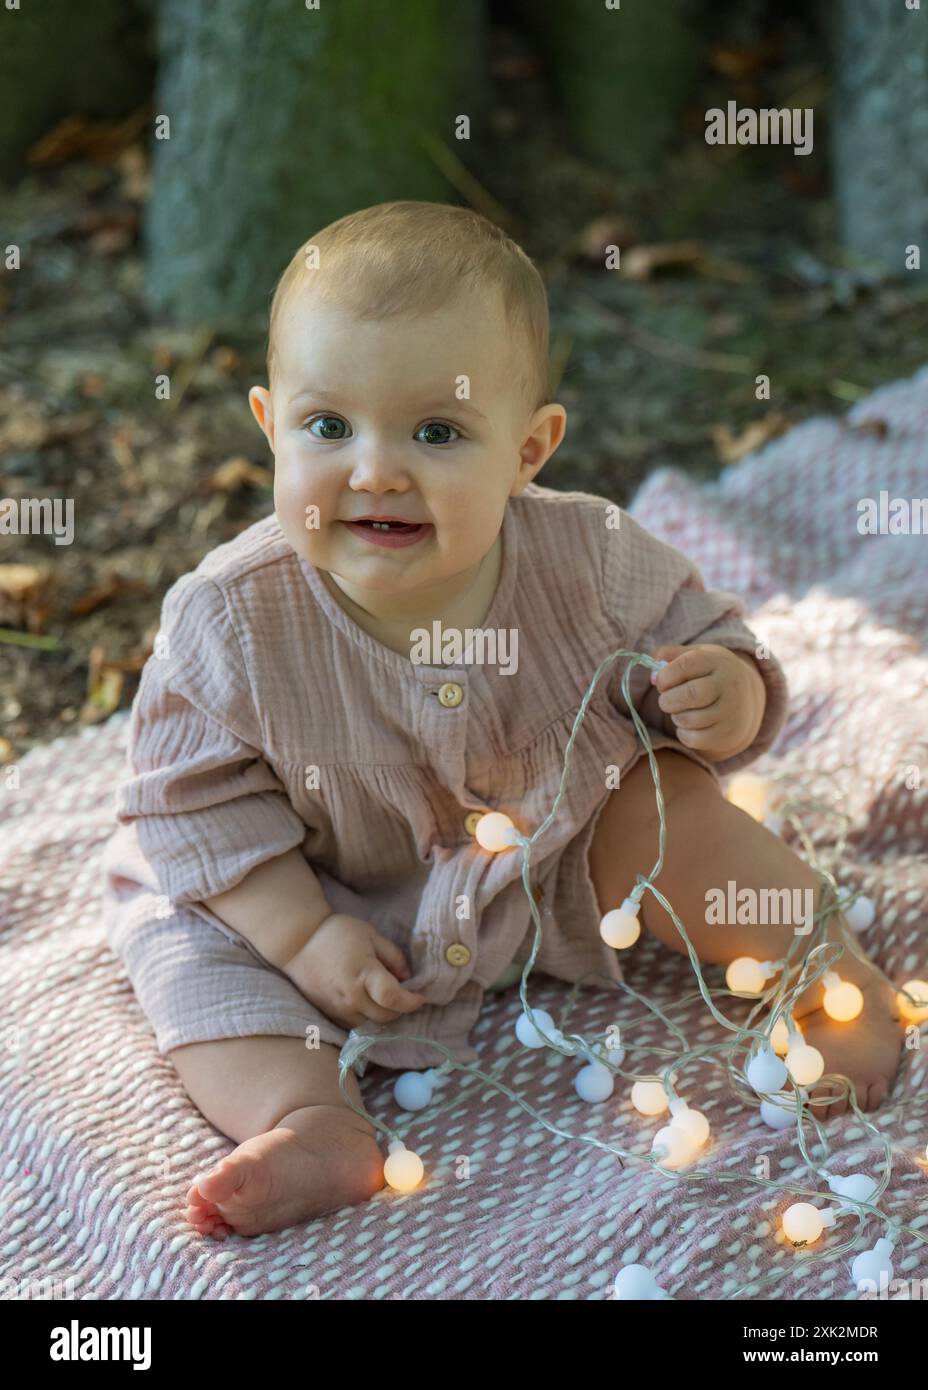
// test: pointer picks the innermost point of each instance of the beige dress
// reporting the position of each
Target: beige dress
(267, 718)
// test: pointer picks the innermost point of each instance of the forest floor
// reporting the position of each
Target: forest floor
(656, 363)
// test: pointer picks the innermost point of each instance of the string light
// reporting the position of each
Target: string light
(874, 1264)
(649, 1097)
(803, 1223)
(496, 832)
(403, 1169)
(766, 1073)
(637, 1282)
(749, 793)
(779, 1037)
(915, 1009)
(860, 915)
(620, 928)
(843, 1000)
(745, 975)
(804, 1063)
(677, 1142)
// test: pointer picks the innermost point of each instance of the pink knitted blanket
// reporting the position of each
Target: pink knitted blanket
(101, 1141)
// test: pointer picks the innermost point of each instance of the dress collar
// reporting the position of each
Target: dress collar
(401, 664)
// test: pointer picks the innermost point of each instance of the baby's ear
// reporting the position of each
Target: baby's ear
(259, 398)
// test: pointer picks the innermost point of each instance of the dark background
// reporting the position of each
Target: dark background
(142, 257)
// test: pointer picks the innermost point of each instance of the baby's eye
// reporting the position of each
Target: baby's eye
(436, 425)
(326, 421)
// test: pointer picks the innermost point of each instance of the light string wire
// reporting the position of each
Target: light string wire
(833, 901)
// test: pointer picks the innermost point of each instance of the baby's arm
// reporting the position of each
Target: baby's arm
(277, 907)
(340, 963)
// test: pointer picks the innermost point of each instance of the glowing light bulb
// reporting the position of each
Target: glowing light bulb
(403, 1169)
(692, 1122)
(750, 793)
(779, 1038)
(620, 928)
(843, 1001)
(746, 975)
(495, 832)
(672, 1147)
(649, 1097)
(914, 1012)
(804, 1063)
(802, 1223)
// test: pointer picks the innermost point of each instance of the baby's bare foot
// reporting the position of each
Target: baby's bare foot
(867, 1049)
(321, 1158)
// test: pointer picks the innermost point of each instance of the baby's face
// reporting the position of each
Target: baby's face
(364, 420)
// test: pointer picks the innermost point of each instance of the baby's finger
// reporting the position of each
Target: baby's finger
(691, 662)
(391, 955)
(387, 992)
(699, 693)
(697, 718)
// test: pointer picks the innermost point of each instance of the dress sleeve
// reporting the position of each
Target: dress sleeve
(206, 805)
(658, 597)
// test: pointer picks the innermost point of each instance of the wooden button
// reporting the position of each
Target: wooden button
(450, 694)
(472, 820)
(457, 953)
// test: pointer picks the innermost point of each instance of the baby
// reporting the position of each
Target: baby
(297, 853)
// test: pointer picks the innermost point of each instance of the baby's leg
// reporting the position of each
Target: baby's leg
(301, 1150)
(709, 842)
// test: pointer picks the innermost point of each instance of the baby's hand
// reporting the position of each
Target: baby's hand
(715, 697)
(351, 973)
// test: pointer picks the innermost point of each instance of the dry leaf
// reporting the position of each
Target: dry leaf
(640, 262)
(238, 472)
(26, 429)
(6, 751)
(24, 596)
(226, 360)
(731, 447)
(742, 62)
(78, 135)
(114, 584)
(610, 230)
(871, 424)
(104, 687)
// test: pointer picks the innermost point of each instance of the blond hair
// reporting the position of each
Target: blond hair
(416, 257)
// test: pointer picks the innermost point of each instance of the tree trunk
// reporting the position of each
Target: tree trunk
(60, 58)
(284, 117)
(621, 75)
(880, 130)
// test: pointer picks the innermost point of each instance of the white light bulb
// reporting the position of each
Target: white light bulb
(843, 1000)
(805, 1064)
(749, 792)
(861, 914)
(873, 1264)
(403, 1169)
(620, 928)
(860, 1187)
(914, 1012)
(528, 1034)
(672, 1147)
(779, 1112)
(649, 1097)
(637, 1282)
(413, 1090)
(745, 976)
(495, 832)
(766, 1073)
(779, 1037)
(802, 1223)
(594, 1083)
